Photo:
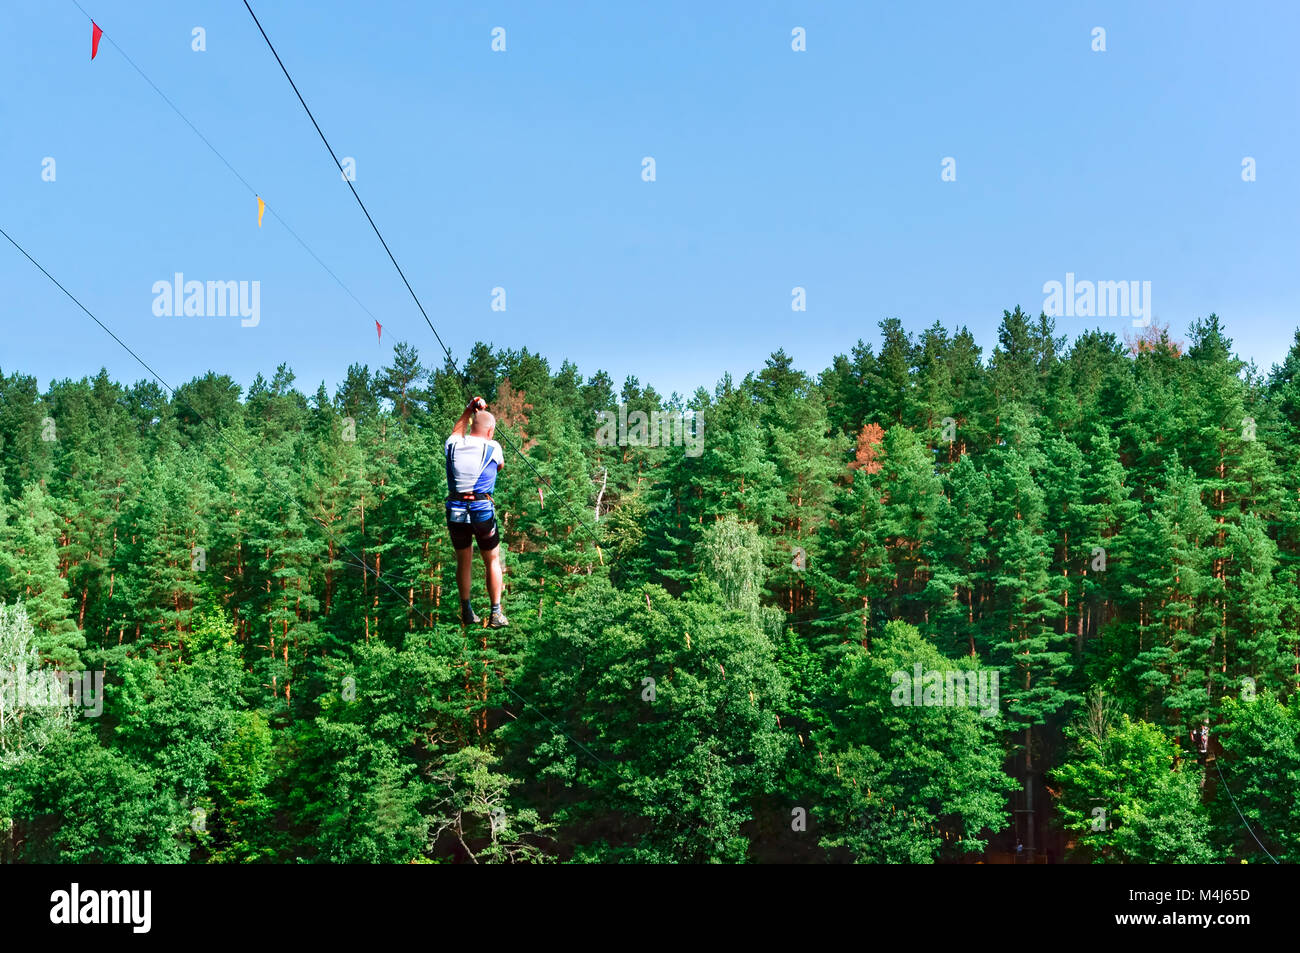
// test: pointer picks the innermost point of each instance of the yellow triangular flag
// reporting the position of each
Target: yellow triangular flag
(261, 207)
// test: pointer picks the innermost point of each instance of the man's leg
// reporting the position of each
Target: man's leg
(489, 547)
(492, 567)
(462, 540)
(465, 572)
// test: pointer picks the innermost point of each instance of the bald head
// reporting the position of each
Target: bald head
(484, 425)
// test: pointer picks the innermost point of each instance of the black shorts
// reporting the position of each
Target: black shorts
(467, 526)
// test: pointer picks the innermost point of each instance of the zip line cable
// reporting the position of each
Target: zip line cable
(460, 374)
(1239, 814)
(346, 179)
(269, 482)
(235, 172)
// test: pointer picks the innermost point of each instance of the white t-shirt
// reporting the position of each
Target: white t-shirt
(472, 464)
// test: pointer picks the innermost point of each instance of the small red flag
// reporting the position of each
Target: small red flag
(379, 331)
(540, 497)
(95, 34)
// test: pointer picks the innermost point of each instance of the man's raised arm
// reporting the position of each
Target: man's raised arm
(478, 403)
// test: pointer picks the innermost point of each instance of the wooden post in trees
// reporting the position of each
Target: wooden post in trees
(1080, 610)
(329, 579)
(482, 720)
(1029, 790)
(970, 619)
(424, 561)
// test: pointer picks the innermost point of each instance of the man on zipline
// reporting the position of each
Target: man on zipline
(473, 462)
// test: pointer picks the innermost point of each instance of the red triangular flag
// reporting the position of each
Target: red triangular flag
(95, 34)
(379, 331)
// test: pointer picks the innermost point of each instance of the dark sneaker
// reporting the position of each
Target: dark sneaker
(497, 621)
(470, 619)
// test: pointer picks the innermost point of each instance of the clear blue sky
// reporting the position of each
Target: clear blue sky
(523, 170)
